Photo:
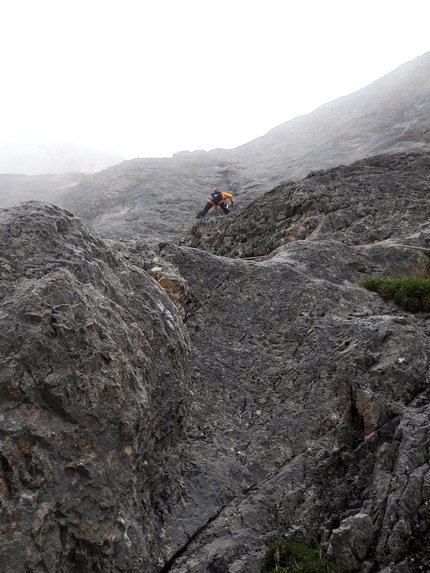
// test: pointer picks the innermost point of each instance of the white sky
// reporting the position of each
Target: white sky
(150, 78)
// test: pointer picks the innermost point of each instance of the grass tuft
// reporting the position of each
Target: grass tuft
(410, 293)
(288, 556)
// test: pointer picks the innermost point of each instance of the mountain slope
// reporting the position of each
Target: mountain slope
(393, 114)
(160, 197)
(388, 116)
(353, 204)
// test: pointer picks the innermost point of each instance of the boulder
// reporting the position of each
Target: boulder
(350, 542)
(94, 389)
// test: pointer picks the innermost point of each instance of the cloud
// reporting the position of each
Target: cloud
(154, 78)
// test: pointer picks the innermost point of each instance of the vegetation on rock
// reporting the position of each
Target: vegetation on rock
(419, 558)
(410, 293)
(289, 556)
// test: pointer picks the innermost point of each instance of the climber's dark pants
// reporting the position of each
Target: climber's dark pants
(209, 206)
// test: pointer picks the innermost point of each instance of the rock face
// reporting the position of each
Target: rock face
(160, 197)
(310, 393)
(93, 393)
(280, 438)
(175, 407)
(355, 204)
(265, 398)
(350, 543)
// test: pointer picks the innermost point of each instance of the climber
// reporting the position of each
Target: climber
(216, 200)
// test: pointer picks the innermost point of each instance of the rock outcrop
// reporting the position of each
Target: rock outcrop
(170, 410)
(94, 389)
(377, 200)
(308, 393)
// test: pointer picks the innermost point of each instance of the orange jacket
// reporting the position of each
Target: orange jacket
(228, 196)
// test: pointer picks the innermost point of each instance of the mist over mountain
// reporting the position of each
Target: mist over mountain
(178, 395)
(390, 115)
(54, 157)
(160, 197)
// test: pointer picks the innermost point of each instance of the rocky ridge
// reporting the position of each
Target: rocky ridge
(353, 204)
(389, 116)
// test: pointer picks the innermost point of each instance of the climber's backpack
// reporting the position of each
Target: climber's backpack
(216, 197)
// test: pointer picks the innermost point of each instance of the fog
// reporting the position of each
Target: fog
(143, 79)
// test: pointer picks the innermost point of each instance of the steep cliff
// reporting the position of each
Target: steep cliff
(312, 393)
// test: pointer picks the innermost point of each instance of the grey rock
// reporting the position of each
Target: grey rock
(278, 378)
(349, 543)
(306, 404)
(370, 203)
(175, 407)
(93, 393)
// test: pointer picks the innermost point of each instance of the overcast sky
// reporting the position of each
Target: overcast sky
(150, 78)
